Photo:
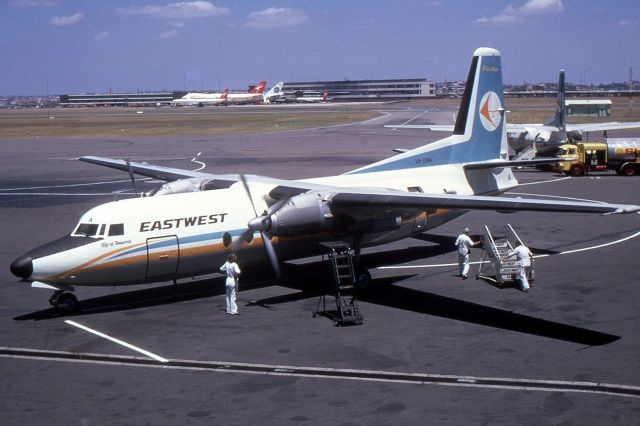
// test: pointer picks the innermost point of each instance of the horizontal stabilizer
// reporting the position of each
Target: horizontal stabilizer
(516, 163)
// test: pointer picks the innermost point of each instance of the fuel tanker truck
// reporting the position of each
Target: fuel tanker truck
(621, 155)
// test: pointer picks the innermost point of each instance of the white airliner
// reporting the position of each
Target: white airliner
(188, 226)
(274, 93)
(202, 99)
(314, 99)
(253, 96)
(547, 136)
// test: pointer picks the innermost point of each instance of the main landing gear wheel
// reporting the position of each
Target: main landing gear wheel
(64, 301)
(363, 279)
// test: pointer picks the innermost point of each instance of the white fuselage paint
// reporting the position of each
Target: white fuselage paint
(180, 235)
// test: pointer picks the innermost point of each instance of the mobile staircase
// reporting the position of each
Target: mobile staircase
(529, 153)
(340, 257)
(492, 267)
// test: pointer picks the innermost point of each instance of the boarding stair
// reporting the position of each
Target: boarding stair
(492, 267)
(340, 258)
(529, 153)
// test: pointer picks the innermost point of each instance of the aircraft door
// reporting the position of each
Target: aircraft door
(163, 255)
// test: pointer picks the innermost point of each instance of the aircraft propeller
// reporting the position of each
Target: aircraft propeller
(262, 223)
(133, 179)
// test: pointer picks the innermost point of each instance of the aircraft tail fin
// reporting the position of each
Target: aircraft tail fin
(559, 118)
(274, 93)
(479, 132)
(325, 95)
(258, 88)
(225, 94)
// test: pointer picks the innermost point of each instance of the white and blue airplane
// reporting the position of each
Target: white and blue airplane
(188, 226)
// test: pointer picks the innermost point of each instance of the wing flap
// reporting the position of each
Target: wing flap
(472, 202)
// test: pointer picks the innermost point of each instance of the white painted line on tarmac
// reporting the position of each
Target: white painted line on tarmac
(544, 181)
(73, 185)
(596, 247)
(118, 341)
(58, 194)
(558, 196)
(411, 119)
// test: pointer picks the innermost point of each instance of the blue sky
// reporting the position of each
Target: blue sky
(75, 46)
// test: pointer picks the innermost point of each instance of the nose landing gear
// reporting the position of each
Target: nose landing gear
(64, 301)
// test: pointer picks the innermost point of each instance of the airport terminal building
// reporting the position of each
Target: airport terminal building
(122, 99)
(365, 90)
(338, 91)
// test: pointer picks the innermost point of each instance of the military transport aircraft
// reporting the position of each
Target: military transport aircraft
(187, 226)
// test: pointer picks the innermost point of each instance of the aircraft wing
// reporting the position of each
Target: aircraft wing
(354, 199)
(145, 169)
(285, 188)
(511, 127)
(595, 127)
(434, 127)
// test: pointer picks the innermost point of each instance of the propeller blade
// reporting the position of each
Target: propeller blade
(271, 252)
(246, 188)
(133, 179)
(259, 222)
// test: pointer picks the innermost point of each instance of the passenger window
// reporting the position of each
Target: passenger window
(116, 229)
(86, 230)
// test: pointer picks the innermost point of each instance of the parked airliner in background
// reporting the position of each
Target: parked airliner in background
(202, 99)
(275, 93)
(313, 98)
(188, 226)
(253, 96)
(547, 136)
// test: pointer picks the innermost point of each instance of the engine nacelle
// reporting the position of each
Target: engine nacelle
(178, 187)
(305, 213)
(189, 185)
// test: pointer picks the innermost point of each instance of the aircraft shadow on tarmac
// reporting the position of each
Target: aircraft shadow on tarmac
(311, 280)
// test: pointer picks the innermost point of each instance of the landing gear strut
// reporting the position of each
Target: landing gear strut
(64, 301)
(363, 276)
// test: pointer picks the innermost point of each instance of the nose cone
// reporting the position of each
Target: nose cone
(22, 267)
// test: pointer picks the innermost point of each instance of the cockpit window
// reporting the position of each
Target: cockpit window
(86, 230)
(116, 229)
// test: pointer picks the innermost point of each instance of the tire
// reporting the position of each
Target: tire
(67, 303)
(628, 170)
(363, 279)
(577, 170)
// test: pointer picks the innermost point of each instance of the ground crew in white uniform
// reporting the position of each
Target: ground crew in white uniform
(232, 270)
(464, 244)
(524, 260)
